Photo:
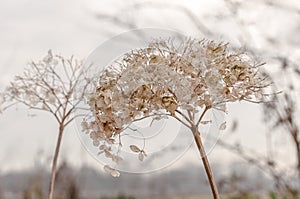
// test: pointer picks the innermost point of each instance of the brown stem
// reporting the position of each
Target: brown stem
(295, 132)
(54, 162)
(298, 157)
(207, 167)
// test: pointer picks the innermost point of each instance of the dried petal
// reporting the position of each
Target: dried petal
(102, 147)
(141, 156)
(112, 171)
(108, 169)
(115, 173)
(135, 148)
(222, 126)
(117, 159)
(108, 154)
(84, 125)
(96, 142)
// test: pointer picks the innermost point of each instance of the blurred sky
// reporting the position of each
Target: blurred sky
(28, 28)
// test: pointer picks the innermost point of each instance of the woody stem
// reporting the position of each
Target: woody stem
(206, 164)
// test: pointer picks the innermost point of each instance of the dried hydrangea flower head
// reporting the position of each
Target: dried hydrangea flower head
(54, 84)
(180, 81)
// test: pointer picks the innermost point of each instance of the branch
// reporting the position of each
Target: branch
(201, 116)
(162, 114)
(34, 107)
(184, 116)
(45, 82)
(71, 120)
(268, 167)
(185, 124)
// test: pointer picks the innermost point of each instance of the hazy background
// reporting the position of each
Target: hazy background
(28, 28)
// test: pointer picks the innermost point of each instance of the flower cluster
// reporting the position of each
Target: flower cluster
(53, 84)
(162, 79)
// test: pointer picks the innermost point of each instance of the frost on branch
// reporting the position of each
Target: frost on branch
(167, 80)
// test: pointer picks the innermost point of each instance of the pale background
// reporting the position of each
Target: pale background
(28, 28)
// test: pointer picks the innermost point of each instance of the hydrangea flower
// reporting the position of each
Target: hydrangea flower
(54, 84)
(167, 80)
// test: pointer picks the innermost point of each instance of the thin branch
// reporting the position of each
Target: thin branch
(191, 115)
(184, 116)
(147, 116)
(46, 83)
(58, 77)
(73, 118)
(184, 123)
(267, 167)
(35, 108)
(201, 116)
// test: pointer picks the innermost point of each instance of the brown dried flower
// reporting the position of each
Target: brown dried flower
(168, 80)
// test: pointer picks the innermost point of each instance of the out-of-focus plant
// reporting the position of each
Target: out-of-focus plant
(120, 196)
(67, 185)
(1, 193)
(55, 85)
(33, 192)
(281, 114)
(165, 80)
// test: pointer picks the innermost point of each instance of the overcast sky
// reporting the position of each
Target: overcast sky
(28, 28)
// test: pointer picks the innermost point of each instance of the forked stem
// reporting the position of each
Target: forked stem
(206, 164)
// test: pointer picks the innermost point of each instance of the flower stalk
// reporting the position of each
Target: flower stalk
(54, 162)
(206, 164)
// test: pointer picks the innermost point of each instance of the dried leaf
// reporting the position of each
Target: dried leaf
(108, 169)
(222, 126)
(108, 154)
(117, 159)
(135, 148)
